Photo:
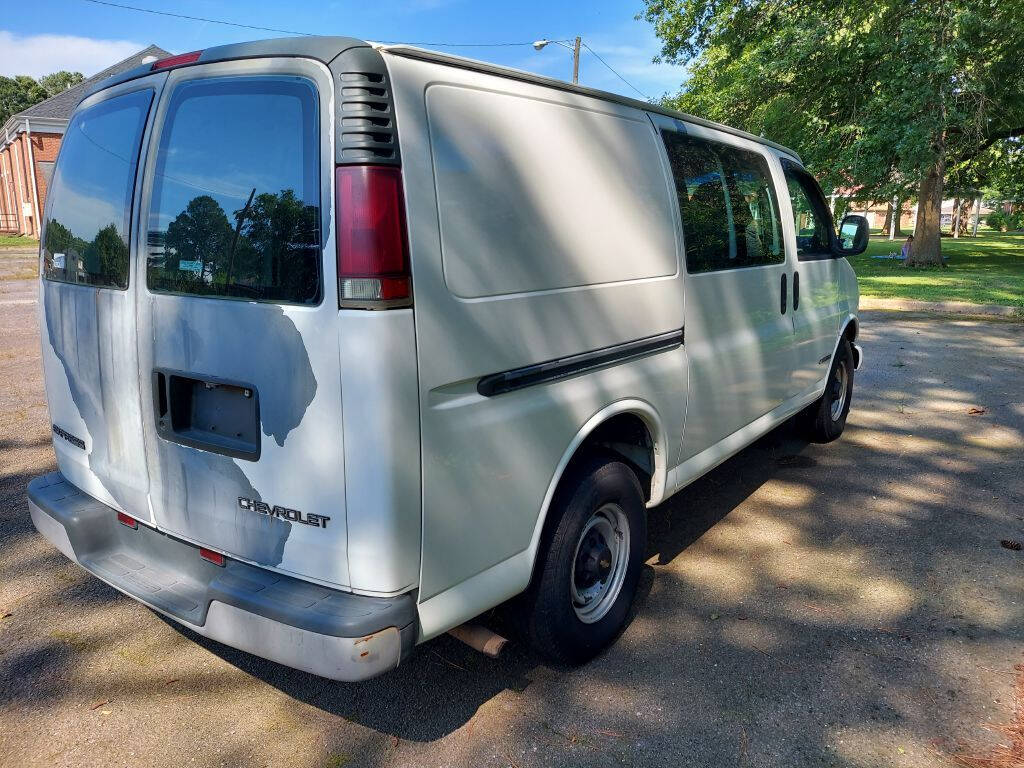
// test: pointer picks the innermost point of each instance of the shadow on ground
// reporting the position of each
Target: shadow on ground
(805, 605)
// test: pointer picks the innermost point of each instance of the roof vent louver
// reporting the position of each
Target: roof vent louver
(365, 118)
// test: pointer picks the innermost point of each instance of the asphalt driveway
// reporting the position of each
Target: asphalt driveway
(803, 605)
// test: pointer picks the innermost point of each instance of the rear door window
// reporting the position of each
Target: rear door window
(87, 230)
(728, 205)
(235, 209)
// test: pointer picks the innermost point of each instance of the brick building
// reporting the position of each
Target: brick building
(30, 140)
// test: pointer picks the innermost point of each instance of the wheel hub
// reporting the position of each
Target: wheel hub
(837, 391)
(594, 561)
(599, 566)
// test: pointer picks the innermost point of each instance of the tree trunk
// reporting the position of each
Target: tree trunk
(963, 220)
(977, 216)
(927, 248)
(897, 220)
(887, 224)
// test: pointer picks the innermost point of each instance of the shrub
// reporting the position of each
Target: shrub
(997, 221)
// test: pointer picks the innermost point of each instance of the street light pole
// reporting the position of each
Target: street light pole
(576, 61)
(540, 44)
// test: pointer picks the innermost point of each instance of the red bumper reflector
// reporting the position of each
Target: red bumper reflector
(214, 557)
(124, 519)
(176, 61)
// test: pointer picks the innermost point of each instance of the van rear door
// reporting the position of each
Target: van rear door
(238, 317)
(88, 297)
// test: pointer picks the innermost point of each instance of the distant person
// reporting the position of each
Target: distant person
(908, 246)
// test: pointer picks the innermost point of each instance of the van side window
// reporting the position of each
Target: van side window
(811, 219)
(727, 204)
(236, 192)
(87, 230)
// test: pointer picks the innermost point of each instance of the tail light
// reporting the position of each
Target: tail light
(373, 250)
(124, 519)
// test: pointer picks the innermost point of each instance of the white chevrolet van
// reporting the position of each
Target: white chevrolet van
(345, 344)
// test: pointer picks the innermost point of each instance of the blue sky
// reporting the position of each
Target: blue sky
(47, 35)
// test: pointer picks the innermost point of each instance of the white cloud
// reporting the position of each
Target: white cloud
(38, 55)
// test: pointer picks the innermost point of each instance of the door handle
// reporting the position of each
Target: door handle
(796, 291)
(783, 301)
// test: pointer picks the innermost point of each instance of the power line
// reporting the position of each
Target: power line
(389, 42)
(645, 96)
(198, 18)
(290, 31)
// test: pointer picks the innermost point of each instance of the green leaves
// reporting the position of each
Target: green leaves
(21, 91)
(867, 93)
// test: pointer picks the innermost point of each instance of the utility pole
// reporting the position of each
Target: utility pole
(894, 222)
(977, 215)
(576, 61)
(575, 48)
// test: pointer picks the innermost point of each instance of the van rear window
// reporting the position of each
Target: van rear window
(235, 209)
(86, 238)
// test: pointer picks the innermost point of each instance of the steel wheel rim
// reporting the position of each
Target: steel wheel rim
(838, 391)
(599, 563)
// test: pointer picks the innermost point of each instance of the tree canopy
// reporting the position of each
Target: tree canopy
(21, 91)
(877, 97)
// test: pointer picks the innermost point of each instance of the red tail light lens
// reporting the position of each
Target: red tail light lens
(214, 557)
(176, 61)
(373, 250)
(124, 519)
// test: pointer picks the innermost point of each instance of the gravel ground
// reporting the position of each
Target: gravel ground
(803, 605)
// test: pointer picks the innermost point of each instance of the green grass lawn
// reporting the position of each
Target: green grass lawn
(15, 240)
(988, 269)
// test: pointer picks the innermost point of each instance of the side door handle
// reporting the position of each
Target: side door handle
(784, 299)
(796, 291)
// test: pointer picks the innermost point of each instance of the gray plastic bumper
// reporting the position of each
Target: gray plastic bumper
(328, 632)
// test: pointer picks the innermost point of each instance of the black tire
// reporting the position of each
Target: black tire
(597, 487)
(825, 419)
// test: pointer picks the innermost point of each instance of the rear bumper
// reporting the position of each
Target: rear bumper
(327, 632)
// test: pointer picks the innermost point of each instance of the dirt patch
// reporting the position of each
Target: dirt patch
(1005, 755)
(18, 264)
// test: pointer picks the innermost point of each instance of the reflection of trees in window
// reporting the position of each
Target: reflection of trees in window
(103, 261)
(200, 233)
(727, 204)
(271, 252)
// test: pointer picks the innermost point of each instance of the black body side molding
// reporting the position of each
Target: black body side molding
(563, 367)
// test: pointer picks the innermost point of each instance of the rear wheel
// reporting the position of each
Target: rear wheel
(590, 563)
(826, 417)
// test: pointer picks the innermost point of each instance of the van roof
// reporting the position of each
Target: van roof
(517, 74)
(326, 49)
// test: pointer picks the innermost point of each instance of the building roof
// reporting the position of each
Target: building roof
(60, 106)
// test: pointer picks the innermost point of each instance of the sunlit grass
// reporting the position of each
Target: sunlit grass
(15, 240)
(988, 269)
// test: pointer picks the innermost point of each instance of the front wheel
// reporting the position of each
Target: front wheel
(826, 417)
(590, 562)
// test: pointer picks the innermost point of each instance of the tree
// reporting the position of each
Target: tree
(201, 233)
(58, 82)
(107, 254)
(871, 94)
(280, 232)
(18, 93)
(21, 91)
